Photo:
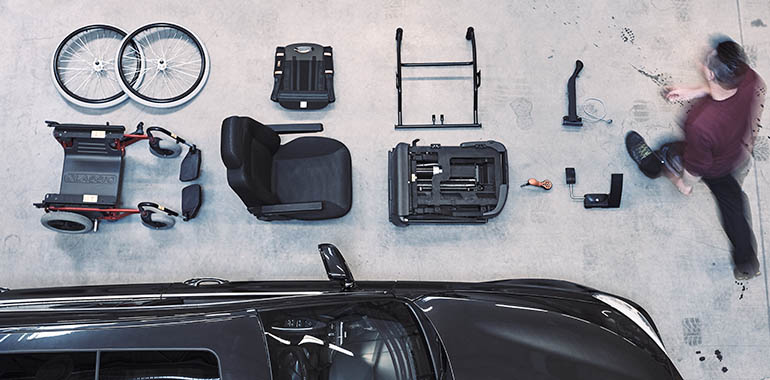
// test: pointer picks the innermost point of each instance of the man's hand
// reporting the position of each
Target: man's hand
(679, 93)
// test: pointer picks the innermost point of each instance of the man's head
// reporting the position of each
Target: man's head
(725, 64)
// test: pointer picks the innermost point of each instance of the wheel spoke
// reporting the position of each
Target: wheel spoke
(74, 60)
(149, 44)
(76, 54)
(186, 63)
(148, 82)
(172, 45)
(176, 48)
(83, 45)
(73, 77)
(101, 88)
(188, 74)
(88, 79)
(73, 69)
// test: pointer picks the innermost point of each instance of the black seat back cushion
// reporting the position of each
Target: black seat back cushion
(311, 169)
(237, 131)
(247, 149)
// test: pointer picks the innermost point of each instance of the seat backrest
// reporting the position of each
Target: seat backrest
(303, 76)
(92, 164)
(247, 149)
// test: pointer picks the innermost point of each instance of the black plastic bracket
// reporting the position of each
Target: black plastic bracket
(596, 200)
(572, 119)
(611, 200)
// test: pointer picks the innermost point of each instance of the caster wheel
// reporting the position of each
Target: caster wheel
(155, 219)
(67, 222)
(165, 148)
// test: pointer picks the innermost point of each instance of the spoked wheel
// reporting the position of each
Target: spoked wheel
(83, 67)
(175, 65)
(67, 222)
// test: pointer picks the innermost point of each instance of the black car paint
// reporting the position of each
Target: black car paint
(221, 331)
(565, 303)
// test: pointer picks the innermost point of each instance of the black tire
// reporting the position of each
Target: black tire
(67, 222)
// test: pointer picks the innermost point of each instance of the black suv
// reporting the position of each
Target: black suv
(338, 329)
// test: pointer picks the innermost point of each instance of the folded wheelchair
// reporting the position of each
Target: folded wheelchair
(92, 177)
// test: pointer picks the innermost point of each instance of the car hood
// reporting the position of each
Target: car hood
(507, 337)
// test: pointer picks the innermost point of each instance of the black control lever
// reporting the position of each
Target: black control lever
(572, 119)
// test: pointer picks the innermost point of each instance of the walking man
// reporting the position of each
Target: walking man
(719, 135)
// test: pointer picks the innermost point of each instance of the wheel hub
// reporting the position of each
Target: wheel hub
(98, 66)
(162, 65)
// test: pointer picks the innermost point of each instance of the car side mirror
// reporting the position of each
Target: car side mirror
(336, 267)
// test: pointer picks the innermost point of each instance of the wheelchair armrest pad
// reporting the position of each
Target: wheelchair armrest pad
(86, 131)
(86, 127)
(297, 128)
(287, 208)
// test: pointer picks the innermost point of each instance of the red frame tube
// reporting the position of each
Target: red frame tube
(131, 139)
(109, 213)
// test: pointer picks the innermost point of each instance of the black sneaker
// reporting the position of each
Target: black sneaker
(649, 162)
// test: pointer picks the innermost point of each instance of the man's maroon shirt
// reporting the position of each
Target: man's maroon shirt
(719, 132)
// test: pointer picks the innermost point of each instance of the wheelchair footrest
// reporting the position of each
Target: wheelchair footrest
(192, 198)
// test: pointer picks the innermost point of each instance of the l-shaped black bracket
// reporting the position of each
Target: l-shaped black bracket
(595, 200)
(572, 119)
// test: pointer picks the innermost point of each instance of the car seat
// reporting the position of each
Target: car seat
(308, 178)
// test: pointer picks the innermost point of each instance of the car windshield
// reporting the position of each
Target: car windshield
(378, 340)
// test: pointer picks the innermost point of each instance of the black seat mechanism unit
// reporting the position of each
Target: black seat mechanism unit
(611, 200)
(476, 76)
(93, 174)
(308, 178)
(447, 184)
(303, 76)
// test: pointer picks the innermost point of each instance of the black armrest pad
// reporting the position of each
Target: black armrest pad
(296, 128)
(86, 127)
(291, 208)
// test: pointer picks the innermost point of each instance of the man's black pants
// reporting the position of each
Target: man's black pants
(734, 211)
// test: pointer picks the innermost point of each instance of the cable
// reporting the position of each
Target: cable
(591, 110)
(572, 194)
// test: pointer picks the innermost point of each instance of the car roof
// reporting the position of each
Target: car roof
(231, 332)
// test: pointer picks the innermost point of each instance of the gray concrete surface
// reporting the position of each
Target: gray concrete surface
(662, 249)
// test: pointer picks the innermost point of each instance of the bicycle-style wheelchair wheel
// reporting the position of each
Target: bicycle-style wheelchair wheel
(83, 67)
(67, 222)
(175, 65)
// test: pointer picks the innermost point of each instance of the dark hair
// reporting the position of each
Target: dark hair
(728, 64)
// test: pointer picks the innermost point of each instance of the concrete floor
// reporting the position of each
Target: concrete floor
(662, 249)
